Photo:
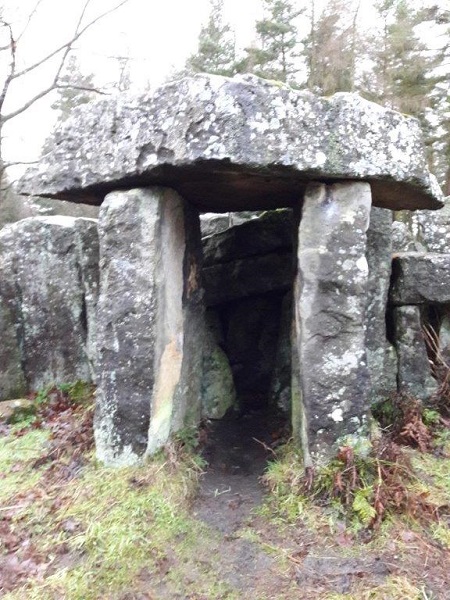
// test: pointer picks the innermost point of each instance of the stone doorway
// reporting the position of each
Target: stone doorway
(248, 277)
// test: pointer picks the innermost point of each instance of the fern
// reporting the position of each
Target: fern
(362, 507)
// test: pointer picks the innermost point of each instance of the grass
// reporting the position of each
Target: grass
(97, 533)
(16, 474)
(395, 588)
(120, 527)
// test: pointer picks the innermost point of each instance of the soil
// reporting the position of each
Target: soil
(237, 452)
(294, 563)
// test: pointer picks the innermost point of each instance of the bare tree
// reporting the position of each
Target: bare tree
(55, 59)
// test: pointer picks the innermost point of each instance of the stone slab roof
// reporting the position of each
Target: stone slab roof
(234, 144)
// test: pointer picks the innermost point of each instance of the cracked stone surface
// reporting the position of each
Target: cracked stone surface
(329, 306)
(48, 297)
(235, 144)
(150, 323)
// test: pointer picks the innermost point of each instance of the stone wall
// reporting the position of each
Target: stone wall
(420, 299)
(160, 364)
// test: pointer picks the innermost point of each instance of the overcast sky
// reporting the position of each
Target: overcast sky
(157, 34)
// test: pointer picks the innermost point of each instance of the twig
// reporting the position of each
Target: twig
(276, 549)
(265, 446)
(217, 493)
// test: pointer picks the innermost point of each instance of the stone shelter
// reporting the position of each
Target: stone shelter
(215, 144)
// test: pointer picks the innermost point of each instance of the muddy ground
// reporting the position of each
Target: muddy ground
(313, 567)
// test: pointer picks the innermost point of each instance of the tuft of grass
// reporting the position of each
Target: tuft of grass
(441, 533)
(284, 479)
(406, 420)
(16, 454)
(80, 392)
(51, 398)
(434, 471)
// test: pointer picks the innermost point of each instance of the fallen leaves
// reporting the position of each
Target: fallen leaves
(70, 426)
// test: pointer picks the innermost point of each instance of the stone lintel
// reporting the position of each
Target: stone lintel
(235, 144)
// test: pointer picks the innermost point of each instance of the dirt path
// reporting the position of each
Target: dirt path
(230, 491)
(237, 453)
(236, 457)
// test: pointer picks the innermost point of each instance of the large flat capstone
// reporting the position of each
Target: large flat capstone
(235, 144)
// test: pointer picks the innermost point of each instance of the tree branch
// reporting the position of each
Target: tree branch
(15, 163)
(30, 18)
(78, 33)
(26, 105)
(65, 49)
(12, 64)
(63, 86)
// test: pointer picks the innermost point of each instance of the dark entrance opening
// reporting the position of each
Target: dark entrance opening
(250, 334)
(248, 274)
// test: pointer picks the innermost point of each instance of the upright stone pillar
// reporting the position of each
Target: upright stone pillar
(149, 315)
(381, 355)
(330, 375)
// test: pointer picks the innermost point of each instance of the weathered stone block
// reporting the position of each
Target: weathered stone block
(271, 233)
(12, 377)
(252, 276)
(218, 390)
(381, 358)
(329, 304)
(434, 228)
(49, 270)
(150, 320)
(403, 239)
(280, 386)
(444, 338)
(414, 371)
(420, 278)
(235, 144)
(214, 223)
